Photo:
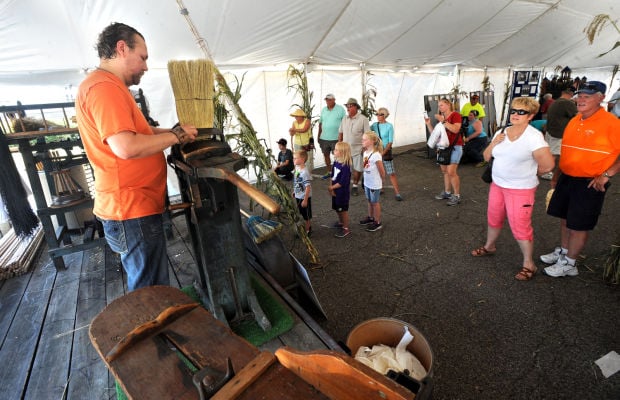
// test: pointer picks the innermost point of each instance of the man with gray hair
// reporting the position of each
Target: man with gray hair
(590, 158)
(352, 127)
(329, 123)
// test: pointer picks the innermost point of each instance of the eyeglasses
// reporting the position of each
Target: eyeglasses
(380, 115)
(517, 111)
(349, 105)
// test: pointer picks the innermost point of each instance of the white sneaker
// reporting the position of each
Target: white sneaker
(561, 268)
(553, 257)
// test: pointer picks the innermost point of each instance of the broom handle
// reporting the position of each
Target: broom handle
(234, 178)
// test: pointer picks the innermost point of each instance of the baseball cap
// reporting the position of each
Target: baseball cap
(282, 142)
(330, 97)
(593, 87)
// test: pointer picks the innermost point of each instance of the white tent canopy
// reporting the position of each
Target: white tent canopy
(412, 48)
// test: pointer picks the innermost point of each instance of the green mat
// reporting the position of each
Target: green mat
(281, 321)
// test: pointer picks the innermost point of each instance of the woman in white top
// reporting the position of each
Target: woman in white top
(520, 154)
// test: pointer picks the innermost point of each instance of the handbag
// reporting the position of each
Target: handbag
(444, 155)
(387, 156)
(487, 174)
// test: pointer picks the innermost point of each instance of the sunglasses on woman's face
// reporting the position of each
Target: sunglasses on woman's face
(518, 111)
(380, 115)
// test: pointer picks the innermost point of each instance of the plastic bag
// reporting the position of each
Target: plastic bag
(383, 358)
(438, 137)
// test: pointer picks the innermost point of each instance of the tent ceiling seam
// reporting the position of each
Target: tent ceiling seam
(551, 7)
(328, 31)
(405, 31)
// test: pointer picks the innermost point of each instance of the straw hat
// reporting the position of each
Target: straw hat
(298, 113)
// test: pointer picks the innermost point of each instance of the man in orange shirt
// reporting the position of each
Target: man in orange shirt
(127, 157)
(589, 158)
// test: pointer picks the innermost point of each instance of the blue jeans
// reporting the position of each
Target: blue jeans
(141, 242)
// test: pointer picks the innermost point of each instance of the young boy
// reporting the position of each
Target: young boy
(302, 188)
(285, 166)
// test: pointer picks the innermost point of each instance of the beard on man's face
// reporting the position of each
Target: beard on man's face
(135, 78)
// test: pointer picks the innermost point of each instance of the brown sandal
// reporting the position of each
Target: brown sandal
(482, 251)
(525, 274)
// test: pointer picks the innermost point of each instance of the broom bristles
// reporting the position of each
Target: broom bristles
(261, 229)
(193, 87)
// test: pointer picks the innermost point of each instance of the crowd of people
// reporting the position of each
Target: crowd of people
(126, 154)
(576, 126)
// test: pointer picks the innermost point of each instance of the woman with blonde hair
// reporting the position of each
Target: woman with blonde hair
(339, 186)
(373, 179)
(452, 121)
(520, 153)
(301, 133)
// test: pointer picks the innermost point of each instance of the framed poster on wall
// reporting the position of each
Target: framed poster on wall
(525, 84)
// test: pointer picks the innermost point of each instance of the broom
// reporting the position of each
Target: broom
(14, 195)
(261, 229)
(193, 88)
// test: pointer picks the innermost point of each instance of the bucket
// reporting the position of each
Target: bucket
(389, 331)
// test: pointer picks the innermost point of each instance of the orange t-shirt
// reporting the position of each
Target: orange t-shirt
(591, 146)
(124, 189)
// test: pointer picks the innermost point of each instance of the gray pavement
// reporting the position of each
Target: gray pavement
(493, 337)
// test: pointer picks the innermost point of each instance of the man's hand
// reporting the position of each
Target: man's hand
(185, 133)
(598, 183)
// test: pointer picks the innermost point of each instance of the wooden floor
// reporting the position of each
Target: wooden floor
(45, 351)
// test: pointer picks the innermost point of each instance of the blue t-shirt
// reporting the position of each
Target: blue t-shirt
(470, 131)
(330, 122)
(385, 132)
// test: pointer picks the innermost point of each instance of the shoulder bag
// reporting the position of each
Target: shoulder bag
(444, 155)
(387, 156)
(487, 174)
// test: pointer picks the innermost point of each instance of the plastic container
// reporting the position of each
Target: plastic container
(389, 331)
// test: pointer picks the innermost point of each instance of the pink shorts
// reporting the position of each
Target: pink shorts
(517, 205)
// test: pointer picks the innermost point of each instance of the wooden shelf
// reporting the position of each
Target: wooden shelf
(43, 155)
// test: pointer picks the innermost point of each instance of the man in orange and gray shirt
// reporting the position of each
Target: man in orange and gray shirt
(589, 158)
(127, 157)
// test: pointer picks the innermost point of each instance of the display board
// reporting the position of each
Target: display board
(525, 84)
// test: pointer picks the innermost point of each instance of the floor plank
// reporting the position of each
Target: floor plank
(46, 381)
(89, 377)
(21, 342)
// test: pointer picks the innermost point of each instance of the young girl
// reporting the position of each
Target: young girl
(302, 188)
(339, 186)
(373, 179)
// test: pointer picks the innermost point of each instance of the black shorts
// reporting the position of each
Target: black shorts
(339, 207)
(305, 212)
(579, 205)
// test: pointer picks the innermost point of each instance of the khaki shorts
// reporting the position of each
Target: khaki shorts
(555, 144)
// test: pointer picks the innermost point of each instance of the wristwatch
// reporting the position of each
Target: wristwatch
(606, 175)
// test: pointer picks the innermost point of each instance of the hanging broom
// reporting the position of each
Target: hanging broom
(261, 229)
(193, 88)
(13, 193)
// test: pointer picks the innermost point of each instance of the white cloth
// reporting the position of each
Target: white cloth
(514, 166)
(383, 358)
(372, 177)
(438, 137)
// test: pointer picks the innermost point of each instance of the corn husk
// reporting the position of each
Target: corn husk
(193, 87)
